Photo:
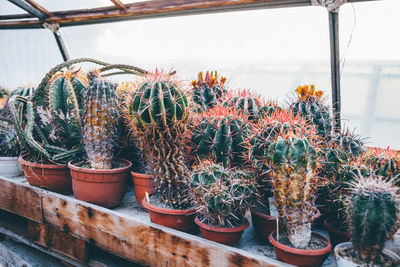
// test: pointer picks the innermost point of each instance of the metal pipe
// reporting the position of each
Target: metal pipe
(61, 45)
(28, 8)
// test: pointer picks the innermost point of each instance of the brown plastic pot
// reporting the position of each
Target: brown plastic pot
(182, 220)
(336, 236)
(49, 176)
(142, 183)
(223, 235)
(265, 224)
(301, 257)
(101, 187)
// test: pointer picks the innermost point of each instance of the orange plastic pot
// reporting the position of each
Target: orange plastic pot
(223, 235)
(336, 236)
(49, 176)
(182, 220)
(301, 257)
(101, 187)
(142, 184)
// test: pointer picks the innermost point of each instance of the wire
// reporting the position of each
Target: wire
(343, 57)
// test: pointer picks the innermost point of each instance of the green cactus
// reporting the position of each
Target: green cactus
(157, 115)
(100, 122)
(221, 195)
(9, 146)
(350, 143)
(374, 214)
(207, 90)
(311, 105)
(292, 163)
(220, 133)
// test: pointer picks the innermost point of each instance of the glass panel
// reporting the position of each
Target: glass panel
(7, 8)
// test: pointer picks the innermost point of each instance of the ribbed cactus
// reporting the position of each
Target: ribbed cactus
(292, 163)
(221, 195)
(349, 142)
(384, 162)
(100, 122)
(251, 104)
(310, 104)
(220, 133)
(374, 214)
(208, 89)
(157, 114)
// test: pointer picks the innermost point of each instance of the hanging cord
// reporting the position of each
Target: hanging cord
(331, 5)
(343, 57)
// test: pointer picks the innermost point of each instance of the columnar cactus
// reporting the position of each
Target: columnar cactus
(157, 113)
(221, 195)
(292, 163)
(208, 89)
(100, 122)
(384, 162)
(374, 214)
(220, 133)
(310, 104)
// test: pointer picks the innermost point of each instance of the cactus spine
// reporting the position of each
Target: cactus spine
(374, 213)
(208, 89)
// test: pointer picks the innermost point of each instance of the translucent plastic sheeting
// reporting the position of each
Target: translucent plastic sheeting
(64, 5)
(7, 8)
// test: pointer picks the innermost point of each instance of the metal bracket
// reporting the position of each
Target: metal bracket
(53, 27)
(331, 5)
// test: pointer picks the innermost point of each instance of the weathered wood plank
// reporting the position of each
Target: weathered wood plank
(21, 198)
(58, 241)
(141, 241)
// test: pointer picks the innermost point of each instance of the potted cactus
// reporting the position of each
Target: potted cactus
(373, 212)
(103, 180)
(292, 161)
(3, 97)
(157, 114)
(9, 150)
(221, 196)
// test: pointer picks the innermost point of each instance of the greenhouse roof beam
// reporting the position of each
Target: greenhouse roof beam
(151, 9)
(30, 8)
(119, 4)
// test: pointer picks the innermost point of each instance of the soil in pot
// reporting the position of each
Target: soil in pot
(142, 184)
(53, 177)
(101, 187)
(162, 214)
(313, 255)
(336, 231)
(225, 235)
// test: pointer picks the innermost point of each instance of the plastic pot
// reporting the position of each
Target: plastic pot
(9, 167)
(336, 236)
(142, 183)
(301, 257)
(342, 262)
(49, 176)
(101, 187)
(182, 220)
(223, 235)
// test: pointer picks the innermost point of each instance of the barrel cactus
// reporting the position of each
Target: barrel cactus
(208, 89)
(292, 162)
(220, 133)
(310, 104)
(221, 195)
(374, 215)
(157, 112)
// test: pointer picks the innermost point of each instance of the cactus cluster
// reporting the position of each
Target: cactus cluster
(220, 133)
(3, 96)
(157, 112)
(221, 195)
(100, 122)
(310, 104)
(208, 89)
(374, 214)
(9, 146)
(292, 162)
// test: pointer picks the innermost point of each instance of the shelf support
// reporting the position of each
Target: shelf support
(60, 41)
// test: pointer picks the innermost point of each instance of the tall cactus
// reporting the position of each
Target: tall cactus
(220, 133)
(292, 163)
(208, 89)
(374, 215)
(157, 113)
(100, 122)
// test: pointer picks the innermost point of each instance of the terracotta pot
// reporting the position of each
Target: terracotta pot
(336, 236)
(142, 183)
(223, 235)
(49, 176)
(101, 187)
(301, 257)
(265, 224)
(182, 220)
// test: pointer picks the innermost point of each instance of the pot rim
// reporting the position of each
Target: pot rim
(110, 171)
(299, 251)
(270, 217)
(221, 229)
(24, 162)
(148, 206)
(140, 175)
(8, 158)
(331, 228)
(388, 252)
